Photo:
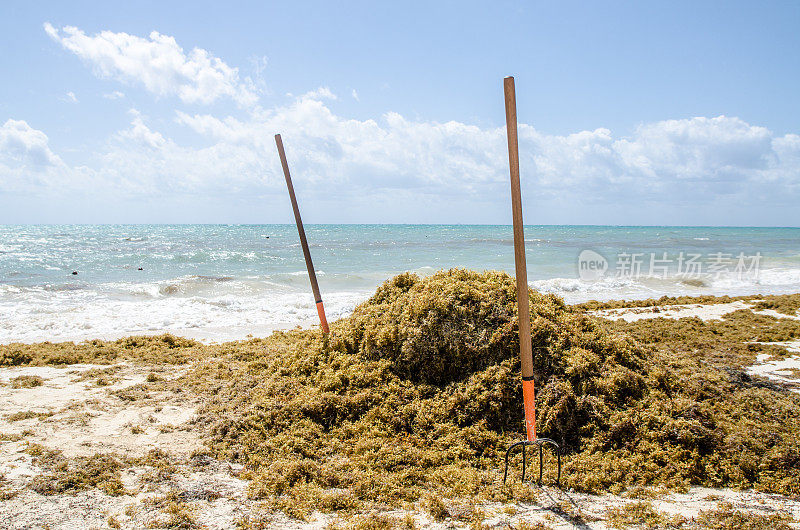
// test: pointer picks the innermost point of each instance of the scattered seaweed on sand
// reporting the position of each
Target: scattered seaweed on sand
(179, 512)
(132, 393)
(6, 492)
(160, 349)
(594, 305)
(786, 304)
(100, 376)
(725, 517)
(641, 515)
(418, 393)
(26, 381)
(28, 415)
(374, 522)
(160, 467)
(70, 475)
(732, 342)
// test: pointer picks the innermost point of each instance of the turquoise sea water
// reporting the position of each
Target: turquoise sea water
(225, 281)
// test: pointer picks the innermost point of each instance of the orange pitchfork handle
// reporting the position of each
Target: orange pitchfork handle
(525, 351)
(301, 231)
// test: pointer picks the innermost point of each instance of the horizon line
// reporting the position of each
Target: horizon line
(401, 224)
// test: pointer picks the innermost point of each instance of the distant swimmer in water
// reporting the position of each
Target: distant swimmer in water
(74, 273)
(140, 269)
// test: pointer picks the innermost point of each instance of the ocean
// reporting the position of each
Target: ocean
(224, 282)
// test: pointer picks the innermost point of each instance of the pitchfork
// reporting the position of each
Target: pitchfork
(525, 351)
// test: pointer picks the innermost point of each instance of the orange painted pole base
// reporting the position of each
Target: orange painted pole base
(530, 407)
(323, 322)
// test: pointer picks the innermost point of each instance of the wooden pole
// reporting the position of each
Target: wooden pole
(306, 253)
(525, 351)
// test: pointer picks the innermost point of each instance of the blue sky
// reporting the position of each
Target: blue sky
(631, 112)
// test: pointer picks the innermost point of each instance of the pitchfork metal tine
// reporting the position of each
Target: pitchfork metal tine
(540, 443)
(540, 464)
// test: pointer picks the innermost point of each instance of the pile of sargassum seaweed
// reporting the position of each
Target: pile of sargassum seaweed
(418, 393)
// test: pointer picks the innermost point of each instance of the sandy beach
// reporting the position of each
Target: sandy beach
(139, 422)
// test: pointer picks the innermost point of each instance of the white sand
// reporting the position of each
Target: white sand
(88, 418)
(785, 370)
(701, 311)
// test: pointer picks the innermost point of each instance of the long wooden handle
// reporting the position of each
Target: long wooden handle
(525, 351)
(301, 231)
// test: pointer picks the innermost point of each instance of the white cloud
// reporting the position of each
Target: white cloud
(159, 63)
(689, 161)
(710, 150)
(139, 161)
(71, 97)
(140, 135)
(26, 161)
(320, 94)
(259, 66)
(355, 95)
(25, 146)
(675, 158)
(114, 95)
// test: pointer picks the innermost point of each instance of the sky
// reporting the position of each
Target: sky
(631, 113)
